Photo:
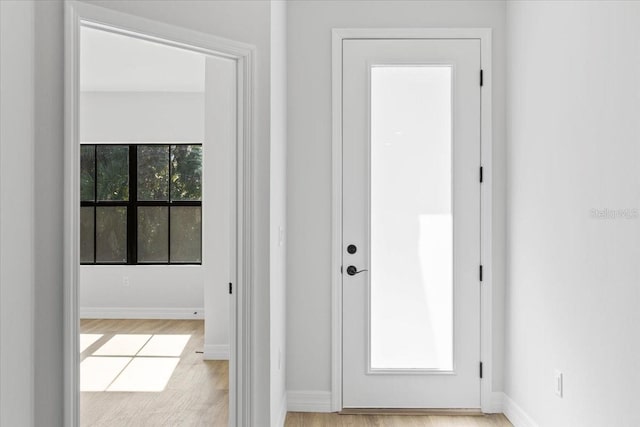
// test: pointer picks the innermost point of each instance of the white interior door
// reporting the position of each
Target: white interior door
(411, 221)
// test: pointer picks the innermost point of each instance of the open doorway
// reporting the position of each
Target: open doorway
(154, 308)
(158, 225)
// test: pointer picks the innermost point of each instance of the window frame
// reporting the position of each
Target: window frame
(133, 203)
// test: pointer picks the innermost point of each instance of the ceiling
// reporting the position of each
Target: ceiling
(115, 63)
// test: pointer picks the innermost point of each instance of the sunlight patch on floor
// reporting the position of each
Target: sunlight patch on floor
(165, 345)
(150, 374)
(86, 340)
(123, 345)
(96, 373)
(131, 362)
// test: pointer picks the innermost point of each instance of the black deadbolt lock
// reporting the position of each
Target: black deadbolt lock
(352, 249)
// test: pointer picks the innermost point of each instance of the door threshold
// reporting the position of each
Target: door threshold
(411, 411)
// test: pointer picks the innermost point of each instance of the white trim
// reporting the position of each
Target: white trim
(517, 415)
(486, 311)
(309, 401)
(141, 313)
(336, 222)
(240, 368)
(411, 33)
(139, 142)
(216, 352)
(282, 416)
(486, 215)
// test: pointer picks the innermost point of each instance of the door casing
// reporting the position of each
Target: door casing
(489, 399)
(79, 14)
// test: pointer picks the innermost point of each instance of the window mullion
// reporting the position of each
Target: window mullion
(132, 211)
(95, 199)
(169, 211)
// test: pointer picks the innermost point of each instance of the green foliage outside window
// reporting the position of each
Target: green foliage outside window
(112, 172)
(186, 172)
(160, 223)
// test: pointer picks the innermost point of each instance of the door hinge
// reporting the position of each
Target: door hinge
(481, 78)
(481, 174)
(481, 272)
(230, 288)
(480, 369)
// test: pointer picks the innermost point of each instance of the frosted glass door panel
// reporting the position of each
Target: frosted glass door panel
(411, 294)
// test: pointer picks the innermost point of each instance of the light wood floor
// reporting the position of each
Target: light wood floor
(298, 419)
(198, 392)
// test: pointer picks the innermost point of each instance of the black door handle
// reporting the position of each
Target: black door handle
(352, 270)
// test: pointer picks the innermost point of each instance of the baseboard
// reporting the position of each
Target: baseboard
(282, 416)
(308, 401)
(411, 411)
(320, 401)
(515, 414)
(216, 352)
(493, 404)
(141, 313)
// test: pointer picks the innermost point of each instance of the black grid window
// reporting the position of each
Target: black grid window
(141, 204)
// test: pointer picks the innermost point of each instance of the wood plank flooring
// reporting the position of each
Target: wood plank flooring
(299, 419)
(198, 391)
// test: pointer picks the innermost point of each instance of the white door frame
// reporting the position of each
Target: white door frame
(79, 14)
(487, 399)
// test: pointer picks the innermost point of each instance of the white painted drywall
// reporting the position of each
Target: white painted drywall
(309, 164)
(218, 204)
(111, 62)
(139, 291)
(574, 147)
(17, 183)
(144, 291)
(142, 117)
(278, 209)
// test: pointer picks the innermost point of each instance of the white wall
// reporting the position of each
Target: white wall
(17, 251)
(142, 117)
(309, 164)
(218, 204)
(278, 209)
(573, 280)
(144, 291)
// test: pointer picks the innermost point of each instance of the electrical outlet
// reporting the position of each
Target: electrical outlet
(125, 280)
(559, 385)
